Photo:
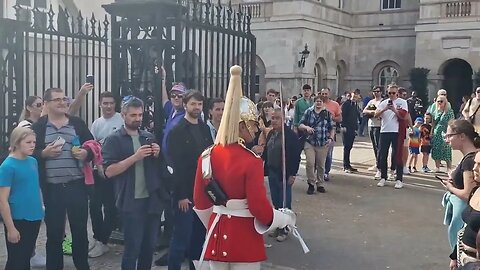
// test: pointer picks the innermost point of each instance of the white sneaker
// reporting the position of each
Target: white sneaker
(98, 250)
(373, 168)
(38, 261)
(392, 176)
(406, 171)
(378, 175)
(91, 244)
(399, 184)
(381, 183)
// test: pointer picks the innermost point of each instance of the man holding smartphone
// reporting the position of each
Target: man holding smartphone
(391, 111)
(62, 179)
(131, 161)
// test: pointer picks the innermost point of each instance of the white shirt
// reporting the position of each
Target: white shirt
(389, 118)
(102, 128)
(374, 121)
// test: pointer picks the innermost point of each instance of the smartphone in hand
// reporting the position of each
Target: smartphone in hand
(59, 141)
(441, 180)
(90, 79)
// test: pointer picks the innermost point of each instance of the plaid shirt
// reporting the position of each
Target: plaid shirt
(322, 123)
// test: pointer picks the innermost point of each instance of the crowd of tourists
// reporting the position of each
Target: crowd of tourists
(126, 178)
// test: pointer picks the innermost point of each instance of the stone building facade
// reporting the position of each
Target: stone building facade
(362, 43)
(352, 43)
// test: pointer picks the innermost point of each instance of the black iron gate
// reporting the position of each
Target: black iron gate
(45, 49)
(195, 41)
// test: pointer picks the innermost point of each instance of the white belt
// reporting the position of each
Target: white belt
(234, 207)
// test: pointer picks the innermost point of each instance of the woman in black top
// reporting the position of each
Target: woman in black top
(461, 136)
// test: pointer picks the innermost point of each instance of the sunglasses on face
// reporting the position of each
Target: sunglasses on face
(128, 99)
(376, 91)
(38, 105)
(439, 101)
(176, 96)
(478, 91)
(392, 93)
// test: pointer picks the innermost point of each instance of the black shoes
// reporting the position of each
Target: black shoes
(350, 170)
(311, 189)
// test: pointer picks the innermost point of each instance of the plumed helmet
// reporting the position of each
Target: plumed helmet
(248, 110)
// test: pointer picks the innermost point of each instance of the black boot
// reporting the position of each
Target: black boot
(311, 189)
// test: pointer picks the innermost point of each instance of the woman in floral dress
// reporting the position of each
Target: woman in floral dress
(440, 149)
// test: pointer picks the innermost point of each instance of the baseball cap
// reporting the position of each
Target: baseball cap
(419, 119)
(179, 87)
(442, 92)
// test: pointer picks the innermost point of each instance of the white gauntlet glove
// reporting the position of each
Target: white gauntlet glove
(281, 219)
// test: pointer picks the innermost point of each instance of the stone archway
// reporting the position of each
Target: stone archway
(457, 80)
(320, 74)
(260, 72)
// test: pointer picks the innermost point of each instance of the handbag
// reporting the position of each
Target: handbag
(215, 193)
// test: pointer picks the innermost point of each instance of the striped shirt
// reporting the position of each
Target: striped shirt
(64, 168)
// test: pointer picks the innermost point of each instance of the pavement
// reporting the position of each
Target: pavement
(354, 225)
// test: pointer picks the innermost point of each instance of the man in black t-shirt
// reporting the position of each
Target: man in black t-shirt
(187, 140)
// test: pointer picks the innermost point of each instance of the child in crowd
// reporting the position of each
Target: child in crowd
(425, 141)
(414, 144)
(21, 205)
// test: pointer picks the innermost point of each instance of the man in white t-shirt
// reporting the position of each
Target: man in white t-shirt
(103, 221)
(389, 111)
(473, 108)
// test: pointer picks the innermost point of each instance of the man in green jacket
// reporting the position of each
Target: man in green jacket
(302, 105)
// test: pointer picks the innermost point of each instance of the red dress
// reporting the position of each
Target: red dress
(240, 174)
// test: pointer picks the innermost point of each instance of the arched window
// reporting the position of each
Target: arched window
(387, 75)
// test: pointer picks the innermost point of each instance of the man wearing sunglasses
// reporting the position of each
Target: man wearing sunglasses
(392, 110)
(176, 113)
(374, 123)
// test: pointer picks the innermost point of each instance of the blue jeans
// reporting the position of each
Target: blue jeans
(140, 231)
(276, 190)
(329, 160)
(187, 237)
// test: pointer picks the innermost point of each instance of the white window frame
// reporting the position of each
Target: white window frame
(395, 2)
(43, 10)
(389, 78)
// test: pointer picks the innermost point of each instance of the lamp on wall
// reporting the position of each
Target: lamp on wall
(304, 54)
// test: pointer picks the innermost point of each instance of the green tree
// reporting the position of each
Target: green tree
(419, 83)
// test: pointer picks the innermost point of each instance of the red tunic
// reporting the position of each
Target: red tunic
(240, 174)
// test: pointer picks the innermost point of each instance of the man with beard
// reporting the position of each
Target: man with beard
(131, 161)
(189, 138)
(336, 112)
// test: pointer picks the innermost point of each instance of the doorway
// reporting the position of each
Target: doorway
(457, 74)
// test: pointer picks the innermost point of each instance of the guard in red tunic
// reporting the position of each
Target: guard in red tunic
(230, 196)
